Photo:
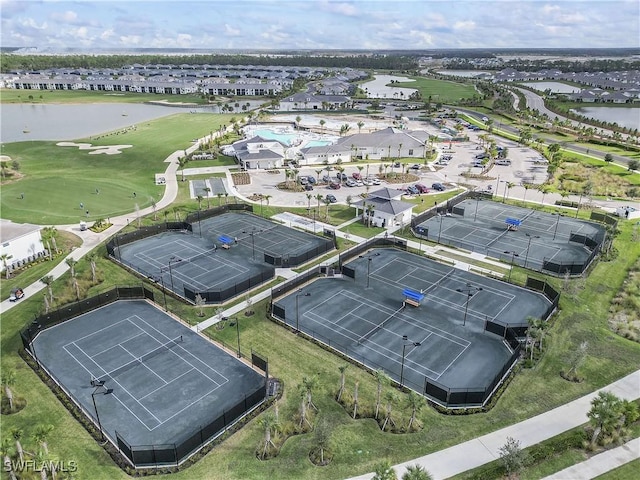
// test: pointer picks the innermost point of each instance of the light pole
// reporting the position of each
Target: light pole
(369, 259)
(497, 184)
(476, 212)
(36, 327)
(513, 255)
(470, 291)
(557, 223)
(440, 229)
(506, 187)
(298, 295)
(172, 260)
(100, 388)
(404, 347)
(164, 293)
(237, 322)
(531, 237)
(253, 244)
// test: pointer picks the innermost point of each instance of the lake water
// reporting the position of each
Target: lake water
(377, 88)
(625, 117)
(462, 73)
(555, 87)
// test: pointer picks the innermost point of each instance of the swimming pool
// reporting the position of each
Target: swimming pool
(317, 143)
(286, 138)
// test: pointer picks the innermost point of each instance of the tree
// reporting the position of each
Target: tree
(298, 120)
(604, 415)
(182, 163)
(342, 369)
(309, 197)
(199, 199)
(634, 165)
(4, 257)
(384, 471)
(608, 157)
(390, 399)
(319, 198)
(71, 263)
(360, 125)
(415, 402)
(318, 172)
(207, 190)
(526, 186)
(309, 384)
(322, 437)
(327, 202)
(8, 379)
(512, 457)
(92, 257)
(355, 399)
(48, 281)
(303, 407)
(6, 458)
(382, 379)
(268, 422)
(416, 472)
(17, 433)
(40, 435)
(322, 123)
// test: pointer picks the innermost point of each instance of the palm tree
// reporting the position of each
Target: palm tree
(322, 123)
(6, 459)
(319, 198)
(526, 186)
(199, 198)
(266, 198)
(71, 262)
(603, 414)
(343, 369)
(360, 125)
(318, 172)
(370, 209)
(207, 190)
(390, 398)
(510, 185)
(4, 257)
(182, 162)
(17, 433)
(309, 197)
(298, 120)
(303, 407)
(8, 379)
(41, 434)
(327, 202)
(309, 383)
(384, 471)
(415, 402)
(48, 281)
(355, 399)
(382, 379)
(75, 286)
(268, 422)
(416, 472)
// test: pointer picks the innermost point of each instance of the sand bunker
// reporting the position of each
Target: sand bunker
(106, 149)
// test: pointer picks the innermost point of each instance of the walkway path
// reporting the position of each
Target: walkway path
(601, 463)
(474, 453)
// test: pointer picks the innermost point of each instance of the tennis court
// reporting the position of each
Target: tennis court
(152, 380)
(265, 237)
(529, 238)
(184, 261)
(365, 318)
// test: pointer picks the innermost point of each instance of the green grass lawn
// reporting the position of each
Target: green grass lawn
(625, 472)
(443, 91)
(57, 179)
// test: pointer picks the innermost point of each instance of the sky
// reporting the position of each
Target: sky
(319, 24)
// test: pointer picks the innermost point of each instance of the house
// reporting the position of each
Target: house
(308, 101)
(257, 152)
(21, 242)
(386, 143)
(385, 208)
(326, 154)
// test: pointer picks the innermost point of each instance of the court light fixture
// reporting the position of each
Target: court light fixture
(404, 347)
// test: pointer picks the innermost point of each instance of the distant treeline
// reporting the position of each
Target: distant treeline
(10, 62)
(565, 66)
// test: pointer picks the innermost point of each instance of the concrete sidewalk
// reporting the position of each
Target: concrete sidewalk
(474, 453)
(601, 463)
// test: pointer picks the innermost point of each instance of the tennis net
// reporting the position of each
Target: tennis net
(142, 358)
(378, 327)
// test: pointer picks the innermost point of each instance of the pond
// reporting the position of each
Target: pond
(463, 73)
(555, 87)
(377, 88)
(625, 117)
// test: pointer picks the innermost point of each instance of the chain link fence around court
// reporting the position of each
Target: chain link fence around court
(442, 395)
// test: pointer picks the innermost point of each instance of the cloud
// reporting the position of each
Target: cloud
(341, 8)
(11, 7)
(65, 17)
(464, 25)
(107, 34)
(547, 9)
(229, 30)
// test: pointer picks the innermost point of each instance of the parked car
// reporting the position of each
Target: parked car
(438, 186)
(356, 176)
(342, 176)
(16, 294)
(331, 198)
(308, 187)
(503, 161)
(376, 181)
(442, 161)
(482, 156)
(415, 166)
(303, 180)
(422, 188)
(359, 183)
(312, 179)
(396, 165)
(412, 190)
(477, 164)
(334, 186)
(350, 183)
(367, 181)
(326, 178)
